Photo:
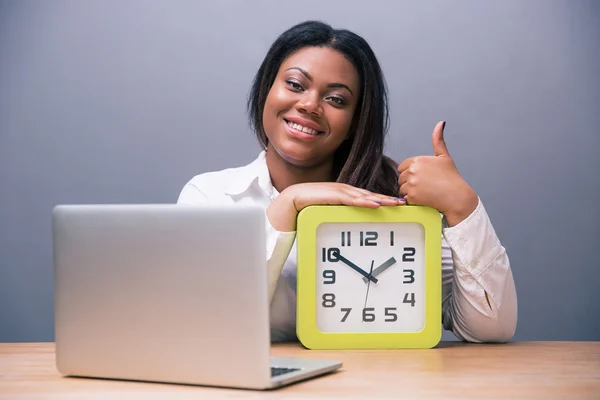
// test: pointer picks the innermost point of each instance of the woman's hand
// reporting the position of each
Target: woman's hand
(283, 211)
(434, 181)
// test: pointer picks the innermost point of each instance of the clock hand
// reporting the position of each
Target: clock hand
(369, 284)
(382, 267)
(355, 267)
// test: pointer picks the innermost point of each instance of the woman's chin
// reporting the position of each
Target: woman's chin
(299, 156)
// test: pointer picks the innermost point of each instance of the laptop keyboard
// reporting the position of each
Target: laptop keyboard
(275, 371)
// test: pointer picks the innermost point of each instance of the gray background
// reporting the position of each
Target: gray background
(124, 101)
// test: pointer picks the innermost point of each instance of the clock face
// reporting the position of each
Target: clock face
(370, 277)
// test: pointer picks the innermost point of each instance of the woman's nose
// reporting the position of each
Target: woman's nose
(310, 104)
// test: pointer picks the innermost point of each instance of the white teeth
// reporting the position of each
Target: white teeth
(301, 128)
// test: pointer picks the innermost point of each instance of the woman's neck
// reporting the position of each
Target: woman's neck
(284, 174)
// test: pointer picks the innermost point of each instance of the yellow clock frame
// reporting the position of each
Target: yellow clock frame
(306, 327)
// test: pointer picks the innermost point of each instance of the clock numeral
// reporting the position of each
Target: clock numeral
(409, 300)
(344, 236)
(391, 238)
(331, 254)
(409, 254)
(347, 311)
(368, 238)
(392, 315)
(329, 274)
(328, 300)
(368, 314)
(410, 275)
(371, 239)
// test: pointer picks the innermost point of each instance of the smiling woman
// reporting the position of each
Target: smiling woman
(307, 116)
(318, 106)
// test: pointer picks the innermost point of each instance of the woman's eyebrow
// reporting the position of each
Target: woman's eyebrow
(331, 85)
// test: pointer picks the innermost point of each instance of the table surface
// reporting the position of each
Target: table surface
(452, 370)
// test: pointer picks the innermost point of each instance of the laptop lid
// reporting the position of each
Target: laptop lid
(166, 293)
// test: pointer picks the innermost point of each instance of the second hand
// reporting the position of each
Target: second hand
(369, 284)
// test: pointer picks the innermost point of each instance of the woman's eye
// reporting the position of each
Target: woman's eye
(294, 85)
(338, 100)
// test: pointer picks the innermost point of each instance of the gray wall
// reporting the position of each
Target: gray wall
(124, 101)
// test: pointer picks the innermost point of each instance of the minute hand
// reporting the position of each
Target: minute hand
(358, 269)
(382, 268)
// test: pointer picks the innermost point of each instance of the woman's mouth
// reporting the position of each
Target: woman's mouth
(303, 129)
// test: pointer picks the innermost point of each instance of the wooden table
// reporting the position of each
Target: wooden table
(519, 370)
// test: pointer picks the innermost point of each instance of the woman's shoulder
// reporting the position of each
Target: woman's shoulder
(214, 185)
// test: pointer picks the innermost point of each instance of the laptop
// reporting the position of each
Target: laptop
(167, 293)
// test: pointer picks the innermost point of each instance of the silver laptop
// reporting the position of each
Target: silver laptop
(167, 293)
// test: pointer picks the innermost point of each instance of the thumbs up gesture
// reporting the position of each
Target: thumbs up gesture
(434, 181)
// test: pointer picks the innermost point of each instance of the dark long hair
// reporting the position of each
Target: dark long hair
(359, 161)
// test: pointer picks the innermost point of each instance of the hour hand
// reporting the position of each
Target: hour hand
(382, 268)
(367, 276)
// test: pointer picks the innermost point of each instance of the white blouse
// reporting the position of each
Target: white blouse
(479, 300)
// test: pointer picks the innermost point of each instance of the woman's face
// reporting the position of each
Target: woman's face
(310, 107)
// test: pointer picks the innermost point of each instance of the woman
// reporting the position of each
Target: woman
(318, 106)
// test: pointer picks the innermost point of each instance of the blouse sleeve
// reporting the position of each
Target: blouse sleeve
(279, 245)
(479, 298)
